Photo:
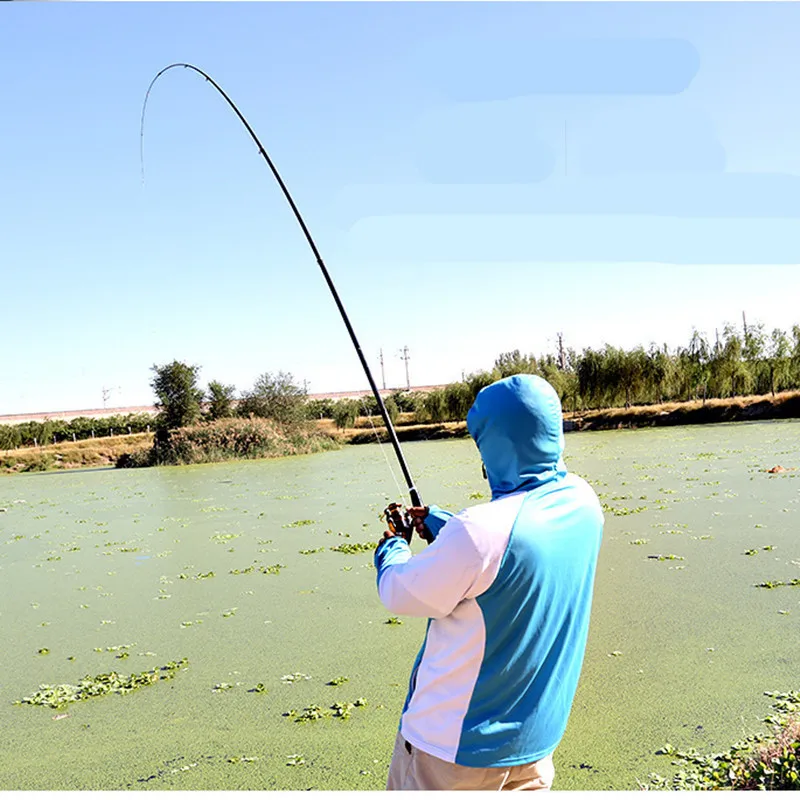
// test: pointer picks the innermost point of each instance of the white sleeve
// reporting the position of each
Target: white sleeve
(433, 582)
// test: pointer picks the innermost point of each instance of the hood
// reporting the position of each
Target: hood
(518, 427)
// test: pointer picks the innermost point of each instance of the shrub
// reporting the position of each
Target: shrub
(230, 439)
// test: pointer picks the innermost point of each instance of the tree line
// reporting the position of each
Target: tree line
(740, 361)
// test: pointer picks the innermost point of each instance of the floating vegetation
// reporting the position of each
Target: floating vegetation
(224, 537)
(295, 760)
(354, 548)
(114, 648)
(769, 547)
(314, 712)
(776, 584)
(221, 687)
(669, 557)
(615, 654)
(199, 577)
(476, 496)
(338, 681)
(241, 759)
(623, 511)
(295, 676)
(230, 612)
(639, 541)
(259, 688)
(393, 621)
(43, 651)
(752, 552)
(272, 569)
(299, 523)
(107, 683)
(761, 762)
(311, 552)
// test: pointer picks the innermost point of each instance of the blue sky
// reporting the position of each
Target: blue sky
(478, 177)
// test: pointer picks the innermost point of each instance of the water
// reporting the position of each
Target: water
(93, 560)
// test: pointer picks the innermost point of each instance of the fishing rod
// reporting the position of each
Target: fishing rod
(393, 515)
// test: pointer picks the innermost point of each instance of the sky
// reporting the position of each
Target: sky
(478, 177)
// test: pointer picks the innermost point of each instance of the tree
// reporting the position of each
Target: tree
(178, 397)
(275, 396)
(220, 400)
(514, 363)
(778, 360)
(345, 412)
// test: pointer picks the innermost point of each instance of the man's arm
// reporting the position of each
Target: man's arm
(433, 582)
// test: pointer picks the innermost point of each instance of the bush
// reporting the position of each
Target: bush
(230, 439)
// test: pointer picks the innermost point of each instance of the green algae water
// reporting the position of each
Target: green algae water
(239, 569)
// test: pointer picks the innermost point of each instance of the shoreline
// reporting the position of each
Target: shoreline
(90, 453)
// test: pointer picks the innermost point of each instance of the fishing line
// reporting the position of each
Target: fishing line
(383, 449)
(415, 498)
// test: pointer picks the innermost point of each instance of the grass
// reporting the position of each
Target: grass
(74, 455)
(733, 409)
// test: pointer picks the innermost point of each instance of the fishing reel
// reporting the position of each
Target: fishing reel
(401, 524)
(399, 521)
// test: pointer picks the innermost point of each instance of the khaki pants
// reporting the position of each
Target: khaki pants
(411, 769)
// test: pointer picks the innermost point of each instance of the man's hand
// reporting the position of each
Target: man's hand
(418, 514)
(386, 536)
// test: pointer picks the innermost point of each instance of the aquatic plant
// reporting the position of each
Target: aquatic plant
(295, 676)
(353, 548)
(312, 551)
(776, 584)
(393, 621)
(669, 557)
(300, 523)
(639, 541)
(763, 762)
(338, 681)
(107, 683)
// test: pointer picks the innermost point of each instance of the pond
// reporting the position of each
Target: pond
(231, 567)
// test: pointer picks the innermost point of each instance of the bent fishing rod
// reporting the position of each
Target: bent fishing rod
(392, 514)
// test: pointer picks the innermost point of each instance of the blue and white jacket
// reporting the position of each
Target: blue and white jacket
(507, 590)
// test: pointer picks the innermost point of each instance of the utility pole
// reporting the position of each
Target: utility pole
(561, 360)
(383, 374)
(406, 357)
(744, 324)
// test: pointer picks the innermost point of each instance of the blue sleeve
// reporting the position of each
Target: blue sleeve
(436, 519)
(390, 552)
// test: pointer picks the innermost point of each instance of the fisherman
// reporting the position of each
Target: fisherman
(507, 590)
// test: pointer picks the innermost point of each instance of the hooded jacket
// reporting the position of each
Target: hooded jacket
(507, 590)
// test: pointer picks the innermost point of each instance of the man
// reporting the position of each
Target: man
(507, 590)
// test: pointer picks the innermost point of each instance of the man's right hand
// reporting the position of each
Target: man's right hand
(418, 514)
